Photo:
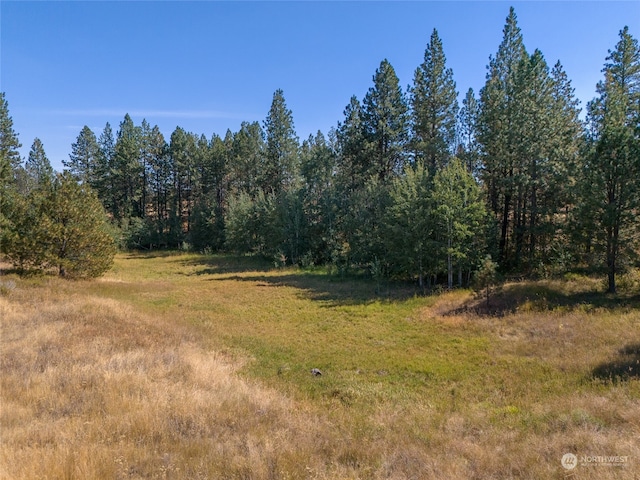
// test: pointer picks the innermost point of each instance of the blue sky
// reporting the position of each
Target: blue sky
(208, 65)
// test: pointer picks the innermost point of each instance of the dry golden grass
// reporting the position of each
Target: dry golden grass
(166, 369)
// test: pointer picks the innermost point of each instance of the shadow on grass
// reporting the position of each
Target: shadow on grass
(624, 367)
(316, 283)
(540, 297)
(225, 263)
(334, 289)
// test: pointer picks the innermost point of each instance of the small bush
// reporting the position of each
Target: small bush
(630, 281)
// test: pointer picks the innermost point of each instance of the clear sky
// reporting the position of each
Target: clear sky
(208, 65)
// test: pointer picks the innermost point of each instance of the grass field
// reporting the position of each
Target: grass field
(186, 366)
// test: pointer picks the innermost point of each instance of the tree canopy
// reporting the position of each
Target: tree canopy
(409, 184)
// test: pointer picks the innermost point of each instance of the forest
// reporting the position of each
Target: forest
(409, 184)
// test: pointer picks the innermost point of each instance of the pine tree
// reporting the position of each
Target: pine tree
(468, 149)
(60, 224)
(146, 159)
(37, 167)
(104, 175)
(434, 103)
(281, 159)
(160, 184)
(318, 164)
(385, 123)
(353, 163)
(497, 138)
(9, 144)
(246, 159)
(183, 152)
(84, 157)
(564, 150)
(77, 239)
(612, 168)
(126, 171)
(409, 225)
(22, 237)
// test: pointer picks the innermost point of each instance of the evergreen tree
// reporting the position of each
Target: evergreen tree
(281, 160)
(612, 168)
(126, 171)
(468, 148)
(60, 224)
(353, 162)
(498, 108)
(409, 225)
(434, 103)
(363, 226)
(84, 158)
(146, 147)
(23, 238)
(564, 150)
(37, 167)
(459, 217)
(532, 125)
(104, 178)
(486, 278)
(183, 154)
(385, 123)
(160, 184)
(247, 158)
(318, 165)
(9, 164)
(9, 144)
(77, 238)
(207, 230)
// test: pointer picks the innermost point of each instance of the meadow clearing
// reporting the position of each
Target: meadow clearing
(179, 365)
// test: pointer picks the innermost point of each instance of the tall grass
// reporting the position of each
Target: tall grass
(181, 366)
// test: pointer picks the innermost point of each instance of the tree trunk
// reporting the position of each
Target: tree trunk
(612, 254)
(449, 266)
(505, 227)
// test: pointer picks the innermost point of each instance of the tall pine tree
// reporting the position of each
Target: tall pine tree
(84, 158)
(281, 160)
(385, 122)
(498, 108)
(37, 167)
(612, 168)
(9, 144)
(434, 103)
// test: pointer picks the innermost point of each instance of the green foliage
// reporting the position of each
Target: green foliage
(434, 107)
(246, 158)
(486, 277)
(409, 225)
(281, 161)
(529, 134)
(84, 157)
(384, 191)
(60, 225)
(459, 217)
(79, 244)
(610, 188)
(385, 123)
(37, 167)
(9, 144)
(207, 227)
(24, 238)
(468, 148)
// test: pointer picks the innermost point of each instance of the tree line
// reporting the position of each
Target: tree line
(408, 184)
